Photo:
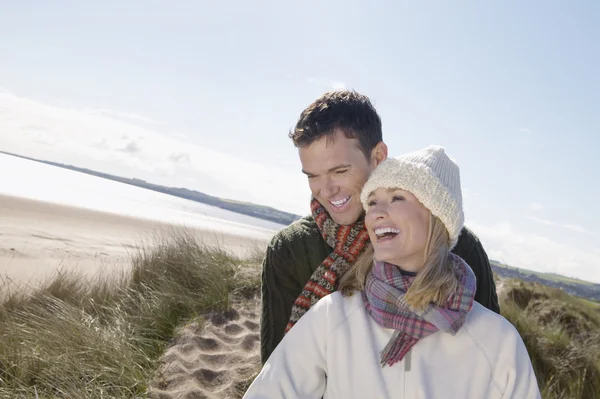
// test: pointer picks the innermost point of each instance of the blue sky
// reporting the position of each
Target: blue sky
(202, 95)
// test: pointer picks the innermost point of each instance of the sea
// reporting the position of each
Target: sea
(38, 181)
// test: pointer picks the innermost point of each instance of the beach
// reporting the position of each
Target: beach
(214, 359)
(38, 238)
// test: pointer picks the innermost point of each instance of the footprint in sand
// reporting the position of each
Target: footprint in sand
(215, 361)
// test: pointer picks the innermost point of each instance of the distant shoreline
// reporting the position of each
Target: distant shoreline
(39, 238)
(244, 208)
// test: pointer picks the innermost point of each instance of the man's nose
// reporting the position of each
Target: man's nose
(328, 188)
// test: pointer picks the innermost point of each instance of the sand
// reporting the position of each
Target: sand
(38, 238)
(213, 359)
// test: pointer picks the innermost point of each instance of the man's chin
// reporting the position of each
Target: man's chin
(345, 218)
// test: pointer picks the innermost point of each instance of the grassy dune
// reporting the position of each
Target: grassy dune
(562, 335)
(101, 338)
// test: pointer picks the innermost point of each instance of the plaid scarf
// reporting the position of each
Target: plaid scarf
(348, 242)
(383, 295)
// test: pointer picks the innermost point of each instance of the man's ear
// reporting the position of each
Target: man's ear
(379, 153)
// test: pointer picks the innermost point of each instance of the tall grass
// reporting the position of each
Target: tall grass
(562, 336)
(76, 337)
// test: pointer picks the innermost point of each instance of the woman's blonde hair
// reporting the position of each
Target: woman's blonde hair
(433, 283)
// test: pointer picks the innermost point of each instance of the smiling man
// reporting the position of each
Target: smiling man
(339, 141)
(337, 168)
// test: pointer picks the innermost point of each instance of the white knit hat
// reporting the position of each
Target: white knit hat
(430, 176)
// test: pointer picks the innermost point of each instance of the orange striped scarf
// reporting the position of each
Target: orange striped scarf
(348, 242)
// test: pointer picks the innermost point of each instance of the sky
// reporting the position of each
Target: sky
(203, 94)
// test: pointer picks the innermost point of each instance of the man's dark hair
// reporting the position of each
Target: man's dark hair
(346, 110)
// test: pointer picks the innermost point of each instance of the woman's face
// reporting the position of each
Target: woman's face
(398, 226)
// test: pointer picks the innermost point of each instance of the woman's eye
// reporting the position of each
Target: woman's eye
(341, 172)
(372, 203)
(397, 198)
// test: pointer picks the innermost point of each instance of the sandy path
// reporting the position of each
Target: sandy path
(38, 238)
(215, 360)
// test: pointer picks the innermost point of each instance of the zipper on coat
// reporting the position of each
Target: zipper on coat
(407, 366)
(407, 361)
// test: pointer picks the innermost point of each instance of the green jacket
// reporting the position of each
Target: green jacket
(296, 251)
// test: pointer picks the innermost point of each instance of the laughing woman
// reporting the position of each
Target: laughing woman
(403, 323)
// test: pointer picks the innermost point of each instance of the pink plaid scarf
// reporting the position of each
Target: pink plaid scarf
(383, 295)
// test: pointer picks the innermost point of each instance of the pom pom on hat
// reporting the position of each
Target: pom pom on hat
(431, 176)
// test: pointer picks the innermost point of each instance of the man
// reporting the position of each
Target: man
(339, 141)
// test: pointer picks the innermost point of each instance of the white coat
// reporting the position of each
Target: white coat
(334, 352)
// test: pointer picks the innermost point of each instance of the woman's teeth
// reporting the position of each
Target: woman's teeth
(386, 232)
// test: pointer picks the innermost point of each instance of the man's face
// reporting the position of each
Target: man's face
(337, 170)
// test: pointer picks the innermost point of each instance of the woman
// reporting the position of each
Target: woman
(403, 323)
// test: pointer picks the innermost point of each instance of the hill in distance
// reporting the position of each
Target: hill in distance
(572, 286)
(245, 208)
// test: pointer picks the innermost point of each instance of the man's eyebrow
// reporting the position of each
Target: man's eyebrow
(337, 167)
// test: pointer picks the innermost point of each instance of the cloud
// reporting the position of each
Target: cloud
(572, 227)
(337, 85)
(577, 228)
(39, 136)
(542, 221)
(121, 115)
(329, 84)
(132, 147)
(180, 135)
(180, 157)
(525, 130)
(536, 207)
(536, 252)
(109, 144)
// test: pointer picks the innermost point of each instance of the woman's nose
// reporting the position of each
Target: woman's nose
(377, 212)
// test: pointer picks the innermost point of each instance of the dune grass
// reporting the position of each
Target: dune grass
(76, 337)
(562, 336)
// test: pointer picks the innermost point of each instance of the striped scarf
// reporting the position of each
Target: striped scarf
(383, 296)
(348, 242)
